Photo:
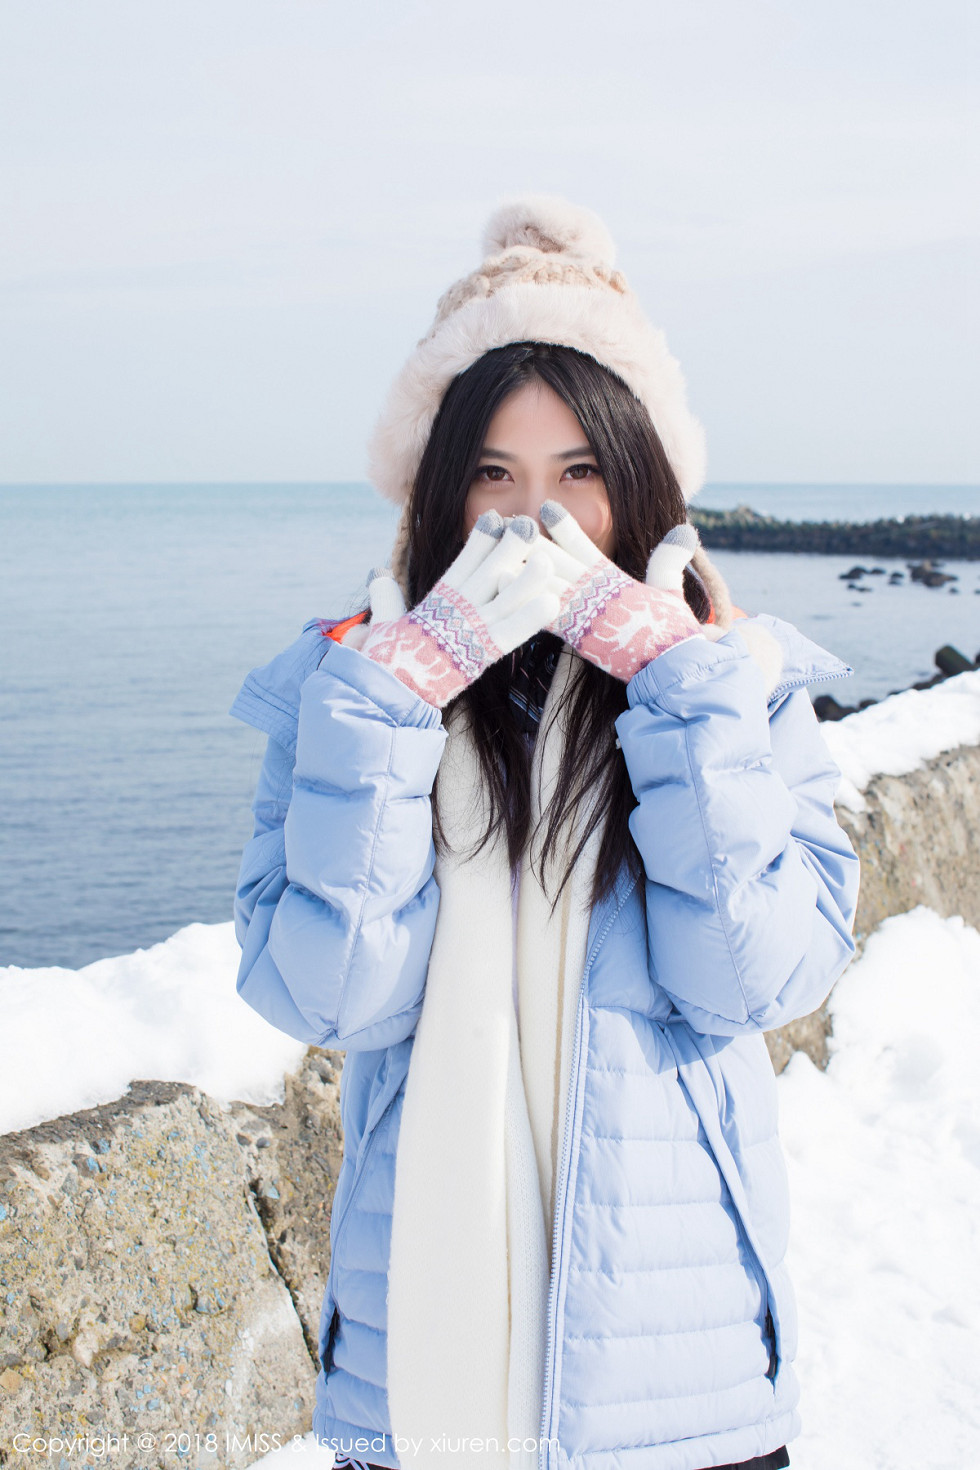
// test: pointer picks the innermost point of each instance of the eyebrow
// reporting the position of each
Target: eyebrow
(565, 454)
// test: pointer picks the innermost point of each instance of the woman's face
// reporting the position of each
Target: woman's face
(536, 450)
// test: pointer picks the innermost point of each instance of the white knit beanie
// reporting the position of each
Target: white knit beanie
(548, 277)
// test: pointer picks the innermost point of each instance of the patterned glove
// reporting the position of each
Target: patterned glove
(614, 621)
(466, 623)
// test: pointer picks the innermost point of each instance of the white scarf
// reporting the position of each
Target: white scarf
(480, 1135)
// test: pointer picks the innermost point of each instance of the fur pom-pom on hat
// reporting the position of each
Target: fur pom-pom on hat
(548, 277)
(551, 226)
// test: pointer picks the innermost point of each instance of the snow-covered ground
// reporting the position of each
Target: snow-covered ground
(883, 1151)
(70, 1039)
(902, 732)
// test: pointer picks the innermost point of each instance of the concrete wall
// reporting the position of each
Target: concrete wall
(163, 1259)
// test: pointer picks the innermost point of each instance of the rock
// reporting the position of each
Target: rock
(917, 841)
(809, 1034)
(826, 708)
(929, 575)
(292, 1173)
(950, 661)
(117, 1339)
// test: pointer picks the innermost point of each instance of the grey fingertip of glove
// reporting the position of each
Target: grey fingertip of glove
(665, 569)
(491, 523)
(685, 536)
(551, 513)
(525, 528)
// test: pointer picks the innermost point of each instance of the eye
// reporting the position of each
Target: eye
(581, 471)
(495, 473)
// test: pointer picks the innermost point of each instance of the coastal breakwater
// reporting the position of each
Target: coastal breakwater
(928, 536)
(163, 1257)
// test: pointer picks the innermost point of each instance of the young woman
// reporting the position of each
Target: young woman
(546, 844)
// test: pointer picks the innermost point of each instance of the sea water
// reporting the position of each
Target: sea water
(129, 616)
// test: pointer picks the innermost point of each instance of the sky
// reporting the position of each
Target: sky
(224, 223)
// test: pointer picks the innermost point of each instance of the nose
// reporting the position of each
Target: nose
(535, 490)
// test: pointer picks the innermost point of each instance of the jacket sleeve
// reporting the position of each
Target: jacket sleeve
(336, 901)
(751, 883)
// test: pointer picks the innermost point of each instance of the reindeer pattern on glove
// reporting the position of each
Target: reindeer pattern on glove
(612, 620)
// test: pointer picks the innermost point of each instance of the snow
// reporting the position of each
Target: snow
(74, 1038)
(882, 1150)
(901, 732)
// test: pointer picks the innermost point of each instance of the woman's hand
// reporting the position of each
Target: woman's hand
(615, 622)
(500, 591)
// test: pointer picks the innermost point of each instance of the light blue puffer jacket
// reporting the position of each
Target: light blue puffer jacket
(671, 1328)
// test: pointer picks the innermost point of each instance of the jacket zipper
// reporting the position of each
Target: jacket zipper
(803, 679)
(563, 1180)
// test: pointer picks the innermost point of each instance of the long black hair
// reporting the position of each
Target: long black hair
(646, 502)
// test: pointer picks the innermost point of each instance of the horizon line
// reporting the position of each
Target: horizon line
(366, 484)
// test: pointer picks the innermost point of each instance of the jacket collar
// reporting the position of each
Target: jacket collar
(804, 662)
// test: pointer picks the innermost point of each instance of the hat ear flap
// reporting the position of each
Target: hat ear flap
(399, 550)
